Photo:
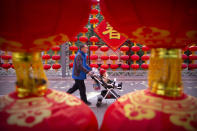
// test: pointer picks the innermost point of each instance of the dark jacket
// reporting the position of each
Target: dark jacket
(80, 67)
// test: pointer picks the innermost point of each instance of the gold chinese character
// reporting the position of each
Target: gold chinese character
(113, 34)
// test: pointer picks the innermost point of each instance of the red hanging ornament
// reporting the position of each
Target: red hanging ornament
(74, 39)
(6, 66)
(47, 66)
(135, 48)
(94, 39)
(144, 66)
(145, 57)
(193, 57)
(124, 48)
(135, 66)
(184, 57)
(73, 48)
(56, 57)
(83, 39)
(94, 47)
(56, 66)
(113, 57)
(135, 57)
(104, 57)
(6, 57)
(184, 66)
(125, 66)
(46, 57)
(124, 57)
(55, 48)
(94, 12)
(114, 66)
(104, 66)
(192, 66)
(193, 48)
(72, 57)
(94, 65)
(94, 21)
(145, 48)
(93, 57)
(71, 65)
(104, 48)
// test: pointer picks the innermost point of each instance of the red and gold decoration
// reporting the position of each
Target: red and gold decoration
(94, 12)
(145, 57)
(135, 57)
(114, 58)
(110, 36)
(84, 38)
(104, 49)
(73, 48)
(184, 57)
(46, 57)
(164, 105)
(28, 27)
(56, 57)
(6, 59)
(193, 57)
(94, 48)
(124, 57)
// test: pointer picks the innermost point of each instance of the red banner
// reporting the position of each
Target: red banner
(110, 36)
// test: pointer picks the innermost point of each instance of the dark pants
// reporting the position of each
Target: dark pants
(79, 84)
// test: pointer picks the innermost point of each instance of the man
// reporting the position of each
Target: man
(80, 69)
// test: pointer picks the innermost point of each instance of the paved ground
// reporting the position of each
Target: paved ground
(129, 84)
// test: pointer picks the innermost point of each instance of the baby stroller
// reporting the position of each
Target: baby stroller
(109, 86)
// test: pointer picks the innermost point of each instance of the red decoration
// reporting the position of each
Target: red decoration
(113, 57)
(6, 65)
(74, 39)
(93, 47)
(47, 66)
(135, 57)
(49, 24)
(94, 12)
(84, 30)
(124, 57)
(184, 57)
(104, 66)
(185, 48)
(134, 20)
(114, 66)
(72, 57)
(71, 65)
(104, 48)
(192, 66)
(104, 57)
(56, 48)
(110, 36)
(94, 21)
(134, 66)
(83, 39)
(145, 57)
(94, 65)
(125, 66)
(193, 57)
(124, 48)
(193, 48)
(12, 66)
(94, 39)
(93, 57)
(184, 66)
(56, 66)
(73, 48)
(145, 48)
(94, 2)
(6, 57)
(56, 57)
(135, 48)
(46, 57)
(144, 66)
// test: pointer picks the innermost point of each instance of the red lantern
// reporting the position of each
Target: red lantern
(83, 39)
(113, 57)
(84, 30)
(135, 48)
(135, 66)
(93, 57)
(114, 66)
(135, 57)
(56, 57)
(144, 66)
(124, 48)
(74, 39)
(46, 57)
(94, 39)
(145, 57)
(56, 66)
(104, 48)
(145, 48)
(93, 47)
(94, 65)
(184, 57)
(124, 57)
(6, 57)
(104, 57)
(94, 21)
(125, 66)
(72, 57)
(47, 66)
(193, 57)
(73, 48)
(71, 65)
(12, 66)
(193, 48)
(184, 66)
(94, 12)
(104, 66)
(56, 48)
(192, 66)
(185, 48)
(94, 2)
(6, 66)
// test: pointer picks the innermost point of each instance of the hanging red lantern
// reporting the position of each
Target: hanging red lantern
(104, 48)
(94, 65)
(47, 66)
(145, 57)
(124, 48)
(125, 66)
(135, 66)
(184, 66)
(72, 57)
(144, 66)
(104, 57)
(135, 57)
(135, 48)
(113, 57)
(6, 57)
(192, 66)
(12, 66)
(46, 57)
(94, 39)
(93, 57)
(185, 48)
(71, 65)
(6, 66)
(94, 12)
(94, 2)
(56, 66)
(56, 57)
(145, 48)
(184, 57)
(124, 57)
(74, 39)
(55, 48)
(94, 21)
(104, 66)
(193, 57)
(94, 47)
(83, 39)
(114, 66)
(73, 48)
(193, 48)
(84, 30)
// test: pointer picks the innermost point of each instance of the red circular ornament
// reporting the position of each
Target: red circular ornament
(192, 66)
(94, 39)
(104, 57)
(104, 48)
(74, 39)
(125, 66)
(114, 66)
(124, 48)
(84, 30)
(113, 57)
(94, 65)
(56, 66)
(135, 57)
(6, 65)
(46, 57)
(73, 48)
(135, 48)
(71, 65)
(145, 48)
(184, 66)
(6, 57)
(145, 57)
(184, 56)
(193, 48)
(94, 47)
(104, 66)
(144, 66)
(124, 57)
(56, 57)
(55, 48)
(72, 57)
(47, 66)
(134, 66)
(94, 21)
(83, 39)
(94, 12)
(93, 57)
(193, 57)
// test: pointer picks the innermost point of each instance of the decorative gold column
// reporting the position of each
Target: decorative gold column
(164, 76)
(31, 79)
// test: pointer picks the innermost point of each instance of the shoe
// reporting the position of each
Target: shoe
(88, 103)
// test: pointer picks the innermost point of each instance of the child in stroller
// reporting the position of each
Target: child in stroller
(109, 85)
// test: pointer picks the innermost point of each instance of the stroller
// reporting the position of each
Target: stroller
(109, 86)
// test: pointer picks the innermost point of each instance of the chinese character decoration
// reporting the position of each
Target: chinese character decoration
(113, 34)
(26, 29)
(174, 27)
